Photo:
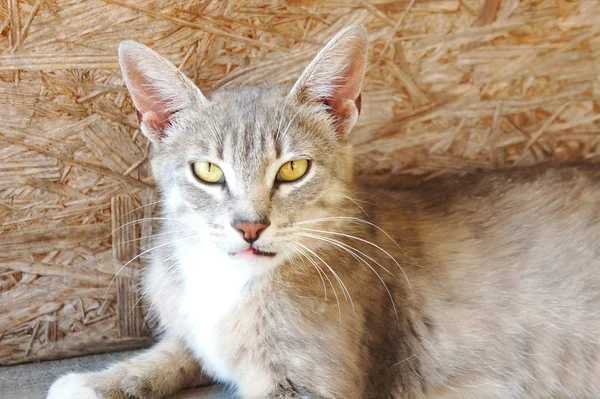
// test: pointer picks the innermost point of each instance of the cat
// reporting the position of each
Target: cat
(280, 276)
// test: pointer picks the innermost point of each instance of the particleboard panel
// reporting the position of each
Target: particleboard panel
(130, 317)
(452, 85)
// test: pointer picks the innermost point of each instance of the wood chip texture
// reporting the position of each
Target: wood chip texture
(452, 86)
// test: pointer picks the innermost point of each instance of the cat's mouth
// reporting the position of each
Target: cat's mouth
(253, 252)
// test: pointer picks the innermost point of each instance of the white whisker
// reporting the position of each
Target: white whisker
(360, 259)
(141, 254)
(172, 269)
(278, 131)
(318, 269)
(157, 235)
(301, 108)
(357, 204)
(328, 279)
(351, 248)
(366, 242)
(140, 221)
(140, 207)
(352, 219)
(291, 120)
(339, 280)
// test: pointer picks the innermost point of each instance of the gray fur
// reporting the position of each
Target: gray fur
(485, 286)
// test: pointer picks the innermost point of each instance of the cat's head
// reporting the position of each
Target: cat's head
(246, 170)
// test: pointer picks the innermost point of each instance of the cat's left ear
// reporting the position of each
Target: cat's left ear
(158, 89)
(334, 78)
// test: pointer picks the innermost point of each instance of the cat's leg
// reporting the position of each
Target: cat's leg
(293, 393)
(162, 370)
(261, 383)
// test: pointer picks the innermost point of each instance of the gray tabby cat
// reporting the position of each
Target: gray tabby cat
(268, 277)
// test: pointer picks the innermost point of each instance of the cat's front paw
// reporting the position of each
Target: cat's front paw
(74, 386)
(109, 384)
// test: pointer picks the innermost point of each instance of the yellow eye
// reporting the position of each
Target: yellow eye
(292, 170)
(208, 172)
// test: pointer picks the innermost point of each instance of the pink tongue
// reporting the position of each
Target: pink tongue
(248, 251)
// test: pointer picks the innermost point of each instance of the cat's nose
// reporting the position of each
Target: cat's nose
(251, 230)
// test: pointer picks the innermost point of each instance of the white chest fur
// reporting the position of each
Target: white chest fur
(213, 285)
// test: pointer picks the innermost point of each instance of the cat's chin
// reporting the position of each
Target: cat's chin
(258, 262)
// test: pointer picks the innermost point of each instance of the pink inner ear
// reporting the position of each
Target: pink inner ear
(157, 121)
(338, 106)
(347, 88)
(151, 110)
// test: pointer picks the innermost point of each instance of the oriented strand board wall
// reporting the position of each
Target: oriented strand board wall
(452, 85)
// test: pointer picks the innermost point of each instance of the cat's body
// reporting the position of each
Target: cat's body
(484, 286)
(504, 296)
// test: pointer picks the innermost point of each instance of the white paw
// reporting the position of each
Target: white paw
(73, 386)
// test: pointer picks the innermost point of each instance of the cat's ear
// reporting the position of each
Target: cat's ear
(158, 89)
(334, 78)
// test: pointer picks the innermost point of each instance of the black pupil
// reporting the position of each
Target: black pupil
(209, 167)
(292, 165)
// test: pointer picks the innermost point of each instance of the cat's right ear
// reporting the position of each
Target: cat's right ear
(158, 89)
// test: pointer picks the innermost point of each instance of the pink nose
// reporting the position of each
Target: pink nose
(251, 230)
